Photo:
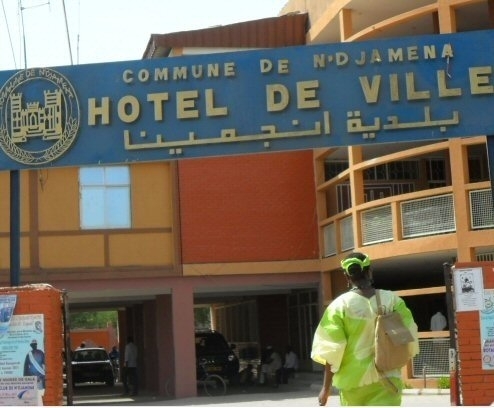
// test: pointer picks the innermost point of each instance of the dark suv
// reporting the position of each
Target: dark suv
(216, 355)
(92, 364)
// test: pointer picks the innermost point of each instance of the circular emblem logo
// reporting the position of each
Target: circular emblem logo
(39, 116)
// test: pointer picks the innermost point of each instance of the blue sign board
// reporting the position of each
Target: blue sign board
(404, 89)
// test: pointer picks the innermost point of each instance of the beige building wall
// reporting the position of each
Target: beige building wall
(51, 233)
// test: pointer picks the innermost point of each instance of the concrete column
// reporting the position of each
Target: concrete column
(446, 16)
(459, 176)
(182, 300)
(164, 340)
(355, 156)
(150, 381)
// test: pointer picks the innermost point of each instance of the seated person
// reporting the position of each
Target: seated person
(271, 366)
(290, 366)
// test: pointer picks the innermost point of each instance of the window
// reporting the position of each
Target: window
(436, 172)
(401, 170)
(333, 168)
(105, 197)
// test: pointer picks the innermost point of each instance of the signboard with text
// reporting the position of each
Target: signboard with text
(404, 89)
(486, 319)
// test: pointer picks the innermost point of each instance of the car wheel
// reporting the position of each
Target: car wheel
(214, 385)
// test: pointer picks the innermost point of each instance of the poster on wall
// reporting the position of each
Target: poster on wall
(469, 289)
(22, 349)
(7, 306)
(486, 318)
(19, 391)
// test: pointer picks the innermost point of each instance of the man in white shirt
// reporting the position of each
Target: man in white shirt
(291, 364)
(438, 321)
(272, 366)
(130, 367)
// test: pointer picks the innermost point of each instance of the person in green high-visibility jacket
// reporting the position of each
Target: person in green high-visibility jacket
(344, 340)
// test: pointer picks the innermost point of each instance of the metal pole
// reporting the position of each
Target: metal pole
(490, 160)
(67, 350)
(15, 229)
(453, 360)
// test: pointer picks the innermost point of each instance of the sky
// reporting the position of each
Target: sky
(107, 30)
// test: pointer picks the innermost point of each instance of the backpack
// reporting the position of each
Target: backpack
(392, 340)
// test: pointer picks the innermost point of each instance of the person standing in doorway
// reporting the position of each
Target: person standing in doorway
(130, 379)
(438, 321)
(114, 355)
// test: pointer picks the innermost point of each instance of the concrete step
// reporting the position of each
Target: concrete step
(314, 379)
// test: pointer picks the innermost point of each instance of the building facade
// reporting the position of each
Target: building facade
(411, 207)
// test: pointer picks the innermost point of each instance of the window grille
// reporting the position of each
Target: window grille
(377, 225)
(303, 315)
(477, 170)
(329, 233)
(346, 233)
(382, 190)
(482, 213)
(485, 257)
(433, 359)
(428, 216)
(344, 197)
(237, 330)
(401, 170)
(375, 192)
(436, 172)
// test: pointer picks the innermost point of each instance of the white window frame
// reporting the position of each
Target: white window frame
(105, 200)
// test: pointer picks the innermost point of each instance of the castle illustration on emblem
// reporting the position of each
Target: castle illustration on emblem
(36, 120)
(39, 116)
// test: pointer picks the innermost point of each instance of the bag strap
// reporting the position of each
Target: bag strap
(388, 383)
(381, 310)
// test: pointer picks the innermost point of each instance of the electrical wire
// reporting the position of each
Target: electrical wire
(67, 32)
(10, 37)
(21, 9)
(78, 28)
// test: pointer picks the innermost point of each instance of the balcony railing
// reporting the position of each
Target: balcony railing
(377, 225)
(433, 358)
(419, 217)
(481, 212)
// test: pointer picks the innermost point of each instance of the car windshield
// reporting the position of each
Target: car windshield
(90, 355)
(210, 343)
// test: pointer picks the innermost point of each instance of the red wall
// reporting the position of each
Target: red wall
(476, 384)
(106, 338)
(248, 208)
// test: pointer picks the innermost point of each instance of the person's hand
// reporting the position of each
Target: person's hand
(323, 397)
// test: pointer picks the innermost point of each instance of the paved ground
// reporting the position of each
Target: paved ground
(291, 395)
(306, 398)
